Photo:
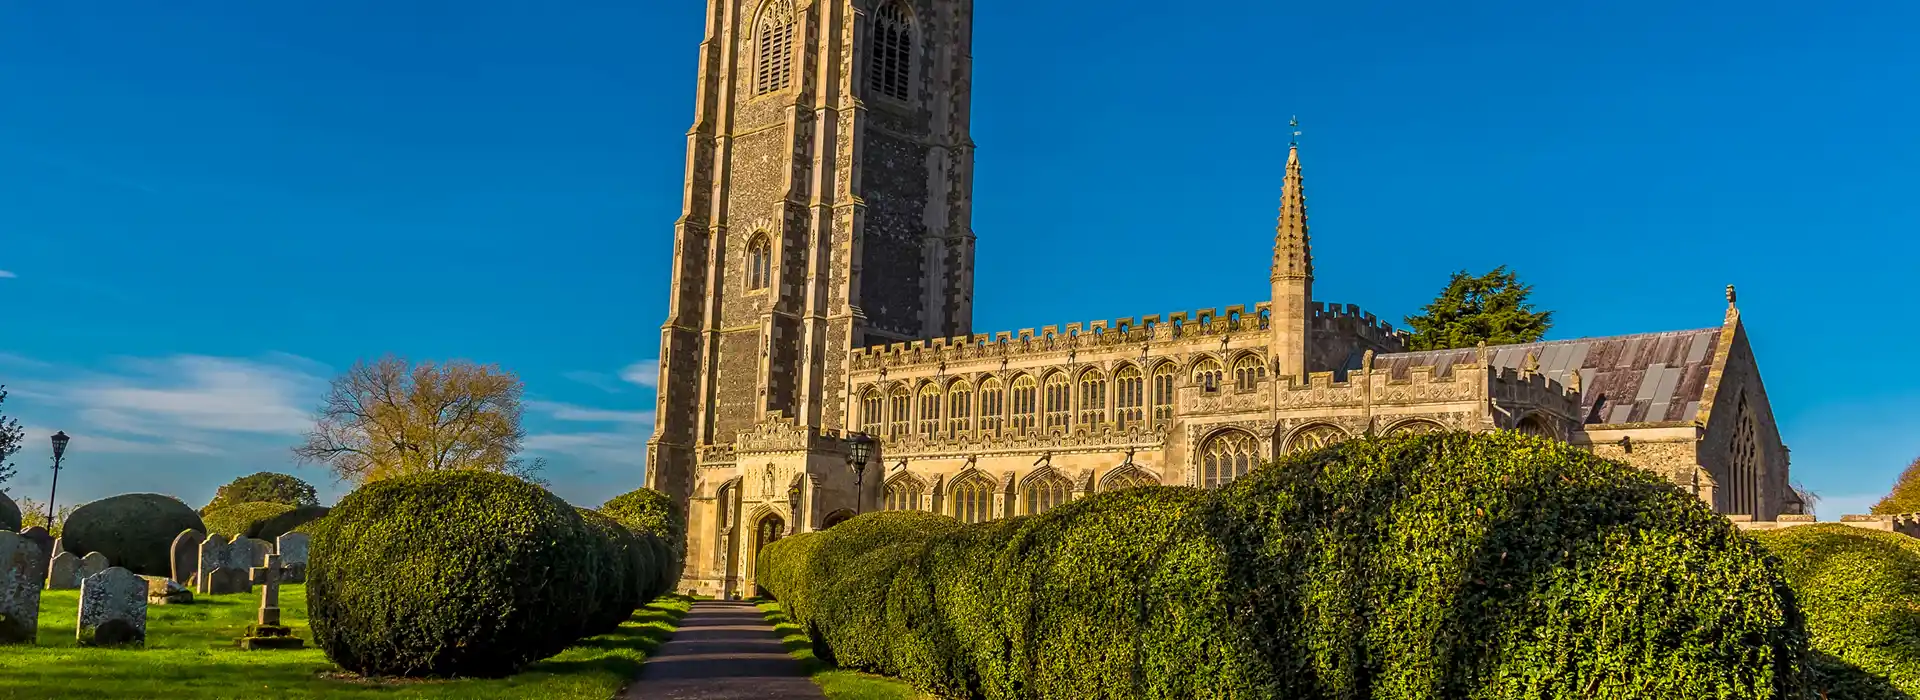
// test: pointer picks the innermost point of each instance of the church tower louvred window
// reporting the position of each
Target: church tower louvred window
(890, 63)
(773, 47)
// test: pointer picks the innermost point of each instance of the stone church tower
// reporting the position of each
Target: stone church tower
(830, 140)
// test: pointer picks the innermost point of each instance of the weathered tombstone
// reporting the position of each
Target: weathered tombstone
(213, 555)
(223, 580)
(63, 572)
(59, 548)
(113, 609)
(23, 569)
(92, 563)
(40, 536)
(293, 554)
(260, 550)
(165, 591)
(185, 555)
(269, 633)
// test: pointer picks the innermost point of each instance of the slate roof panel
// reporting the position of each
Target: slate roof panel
(1643, 378)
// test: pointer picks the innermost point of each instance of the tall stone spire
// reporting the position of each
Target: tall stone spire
(1292, 273)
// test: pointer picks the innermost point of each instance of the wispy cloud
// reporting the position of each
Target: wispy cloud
(198, 393)
(643, 373)
(584, 414)
(598, 380)
(7, 275)
(603, 448)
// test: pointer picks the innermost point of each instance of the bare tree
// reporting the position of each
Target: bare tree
(388, 418)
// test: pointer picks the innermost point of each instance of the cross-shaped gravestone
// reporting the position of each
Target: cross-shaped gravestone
(269, 633)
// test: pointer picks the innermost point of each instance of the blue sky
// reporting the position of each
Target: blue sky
(207, 209)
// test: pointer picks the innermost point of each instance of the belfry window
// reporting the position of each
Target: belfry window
(759, 262)
(773, 47)
(890, 63)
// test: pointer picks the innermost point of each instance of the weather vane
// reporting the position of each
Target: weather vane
(1295, 123)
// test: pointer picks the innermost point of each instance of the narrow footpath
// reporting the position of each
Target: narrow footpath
(723, 651)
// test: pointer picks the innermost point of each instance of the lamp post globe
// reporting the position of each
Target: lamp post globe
(859, 450)
(60, 440)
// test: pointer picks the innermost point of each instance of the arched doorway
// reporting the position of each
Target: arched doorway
(766, 531)
(837, 517)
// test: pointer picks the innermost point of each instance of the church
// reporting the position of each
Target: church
(819, 360)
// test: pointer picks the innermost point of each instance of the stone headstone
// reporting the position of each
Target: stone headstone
(293, 553)
(40, 536)
(59, 548)
(213, 555)
(259, 552)
(23, 570)
(185, 554)
(113, 609)
(92, 563)
(223, 580)
(165, 591)
(239, 553)
(63, 572)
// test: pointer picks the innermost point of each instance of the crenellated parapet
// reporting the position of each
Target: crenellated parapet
(1180, 328)
(1349, 320)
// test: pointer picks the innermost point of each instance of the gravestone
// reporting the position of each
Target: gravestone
(165, 591)
(63, 572)
(40, 536)
(257, 553)
(113, 609)
(293, 554)
(185, 555)
(268, 633)
(223, 580)
(92, 563)
(23, 570)
(59, 548)
(213, 555)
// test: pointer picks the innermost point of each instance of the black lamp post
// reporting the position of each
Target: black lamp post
(60, 440)
(859, 450)
(793, 503)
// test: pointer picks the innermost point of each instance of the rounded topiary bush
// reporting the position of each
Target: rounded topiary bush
(459, 573)
(9, 514)
(1857, 589)
(243, 519)
(620, 576)
(293, 520)
(653, 512)
(133, 530)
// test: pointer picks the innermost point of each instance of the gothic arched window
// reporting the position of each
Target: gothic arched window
(1746, 464)
(1047, 490)
(1024, 406)
(773, 47)
(1163, 394)
(930, 411)
(904, 493)
(873, 412)
(759, 262)
(1206, 375)
(900, 405)
(1059, 403)
(890, 63)
(1128, 397)
(992, 405)
(1093, 399)
(1127, 477)
(1315, 437)
(959, 407)
(1247, 372)
(1227, 455)
(973, 499)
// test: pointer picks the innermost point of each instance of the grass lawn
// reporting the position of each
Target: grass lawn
(190, 654)
(839, 684)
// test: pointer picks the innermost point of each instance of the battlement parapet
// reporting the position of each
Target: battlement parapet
(1350, 319)
(1176, 327)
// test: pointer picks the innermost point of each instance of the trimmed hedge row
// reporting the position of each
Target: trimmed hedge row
(465, 573)
(242, 518)
(1455, 566)
(133, 530)
(1858, 589)
(650, 512)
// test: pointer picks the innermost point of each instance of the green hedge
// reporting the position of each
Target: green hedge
(652, 512)
(243, 519)
(133, 530)
(620, 573)
(1446, 566)
(1860, 591)
(460, 573)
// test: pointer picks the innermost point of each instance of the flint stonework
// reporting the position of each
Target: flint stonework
(113, 609)
(23, 569)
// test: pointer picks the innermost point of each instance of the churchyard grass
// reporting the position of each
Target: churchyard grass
(190, 654)
(839, 684)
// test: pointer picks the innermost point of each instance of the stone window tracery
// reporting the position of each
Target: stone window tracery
(1128, 397)
(773, 47)
(900, 404)
(904, 493)
(873, 412)
(1315, 437)
(1416, 427)
(1228, 455)
(992, 406)
(890, 63)
(1129, 477)
(1024, 404)
(929, 411)
(973, 499)
(1206, 375)
(1093, 398)
(1745, 467)
(959, 407)
(1247, 372)
(1163, 394)
(1044, 491)
(759, 262)
(1059, 396)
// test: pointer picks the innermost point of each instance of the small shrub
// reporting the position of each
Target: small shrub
(243, 519)
(1857, 589)
(133, 530)
(460, 573)
(617, 592)
(653, 512)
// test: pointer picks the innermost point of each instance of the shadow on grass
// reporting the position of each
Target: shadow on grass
(837, 683)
